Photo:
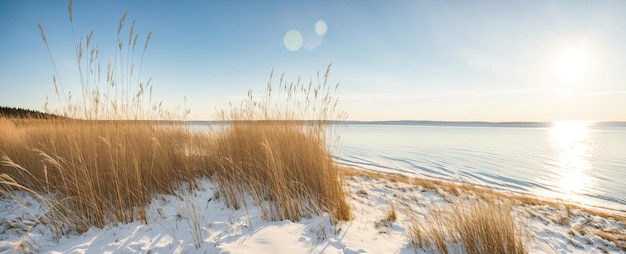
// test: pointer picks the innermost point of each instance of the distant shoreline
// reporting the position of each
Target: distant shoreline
(608, 124)
(9, 112)
(599, 124)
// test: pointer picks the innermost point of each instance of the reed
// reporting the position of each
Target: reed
(447, 188)
(104, 168)
(274, 151)
(98, 172)
(471, 226)
(461, 189)
(113, 89)
(289, 173)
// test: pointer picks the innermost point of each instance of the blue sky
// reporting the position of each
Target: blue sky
(421, 60)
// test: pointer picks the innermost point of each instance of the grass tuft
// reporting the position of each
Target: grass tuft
(105, 168)
(468, 227)
(100, 172)
(276, 149)
(289, 172)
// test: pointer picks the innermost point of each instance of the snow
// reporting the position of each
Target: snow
(199, 222)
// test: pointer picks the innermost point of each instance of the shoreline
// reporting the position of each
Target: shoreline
(374, 198)
(483, 191)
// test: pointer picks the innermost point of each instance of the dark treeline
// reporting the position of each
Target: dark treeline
(12, 112)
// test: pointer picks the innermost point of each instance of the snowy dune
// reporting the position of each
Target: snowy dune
(199, 222)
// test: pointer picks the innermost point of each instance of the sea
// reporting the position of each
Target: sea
(580, 162)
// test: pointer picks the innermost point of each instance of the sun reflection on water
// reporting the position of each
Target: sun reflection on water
(571, 144)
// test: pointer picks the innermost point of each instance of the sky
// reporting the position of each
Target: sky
(395, 60)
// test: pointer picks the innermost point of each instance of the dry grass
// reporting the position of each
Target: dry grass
(612, 236)
(482, 192)
(280, 164)
(111, 89)
(95, 173)
(100, 172)
(468, 227)
(276, 149)
(390, 215)
(563, 208)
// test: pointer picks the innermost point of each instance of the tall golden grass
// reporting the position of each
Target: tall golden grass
(105, 168)
(276, 149)
(473, 227)
(288, 172)
(460, 189)
(103, 172)
(99, 172)
(490, 195)
(108, 90)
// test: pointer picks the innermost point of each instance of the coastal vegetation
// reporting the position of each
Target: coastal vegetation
(13, 112)
(97, 164)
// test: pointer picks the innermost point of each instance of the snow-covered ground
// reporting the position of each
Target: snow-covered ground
(198, 222)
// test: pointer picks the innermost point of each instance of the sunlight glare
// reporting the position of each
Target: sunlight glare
(571, 65)
(571, 144)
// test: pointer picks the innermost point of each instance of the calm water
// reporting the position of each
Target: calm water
(572, 161)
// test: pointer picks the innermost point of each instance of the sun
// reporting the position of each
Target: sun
(571, 65)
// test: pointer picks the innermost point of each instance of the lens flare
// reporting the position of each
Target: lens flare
(321, 28)
(293, 40)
